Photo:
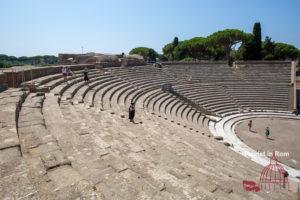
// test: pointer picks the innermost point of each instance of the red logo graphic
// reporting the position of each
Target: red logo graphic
(272, 176)
(250, 186)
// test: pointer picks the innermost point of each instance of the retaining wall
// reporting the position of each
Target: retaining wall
(14, 78)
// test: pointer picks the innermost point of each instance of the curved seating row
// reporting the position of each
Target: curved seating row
(217, 88)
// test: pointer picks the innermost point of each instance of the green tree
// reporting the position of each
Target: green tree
(170, 51)
(284, 51)
(252, 48)
(161, 57)
(268, 47)
(147, 53)
(175, 42)
(257, 54)
(195, 48)
(221, 45)
(8, 61)
(4, 64)
(278, 51)
(223, 41)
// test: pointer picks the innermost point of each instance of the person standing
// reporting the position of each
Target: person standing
(285, 178)
(250, 125)
(69, 72)
(131, 112)
(64, 73)
(267, 132)
(85, 74)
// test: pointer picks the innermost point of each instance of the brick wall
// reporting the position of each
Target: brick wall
(3, 84)
(15, 78)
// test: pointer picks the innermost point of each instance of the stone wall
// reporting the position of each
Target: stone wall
(3, 84)
(104, 60)
(194, 62)
(236, 63)
(261, 63)
(63, 58)
(133, 60)
(15, 78)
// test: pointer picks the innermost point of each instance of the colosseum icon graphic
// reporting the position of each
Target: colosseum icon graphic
(273, 176)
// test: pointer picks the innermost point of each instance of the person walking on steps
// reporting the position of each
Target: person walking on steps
(131, 112)
(85, 74)
(267, 132)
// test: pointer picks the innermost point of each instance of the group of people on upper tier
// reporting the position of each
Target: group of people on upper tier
(66, 71)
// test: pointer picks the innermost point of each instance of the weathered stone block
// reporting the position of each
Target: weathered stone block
(54, 159)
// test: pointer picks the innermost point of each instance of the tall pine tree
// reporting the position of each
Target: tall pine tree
(175, 41)
(252, 49)
(256, 42)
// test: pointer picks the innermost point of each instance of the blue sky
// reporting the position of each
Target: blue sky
(39, 27)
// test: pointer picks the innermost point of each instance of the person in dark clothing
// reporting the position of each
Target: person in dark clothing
(285, 178)
(131, 112)
(250, 125)
(85, 74)
(267, 132)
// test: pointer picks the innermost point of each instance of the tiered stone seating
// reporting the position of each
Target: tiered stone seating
(257, 96)
(204, 73)
(227, 90)
(80, 94)
(73, 151)
(74, 88)
(47, 83)
(90, 95)
(209, 96)
(40, 149)
(266, 73)
(158, 102)
(144, 79)
(77, 78)
(137, 161)
(42, 134)
(15, 180)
